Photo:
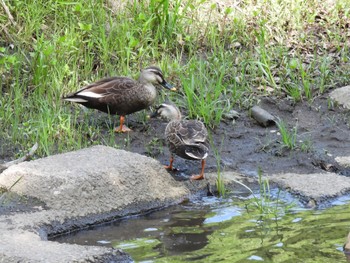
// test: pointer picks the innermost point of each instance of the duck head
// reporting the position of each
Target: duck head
(154, 75)
(167, 111)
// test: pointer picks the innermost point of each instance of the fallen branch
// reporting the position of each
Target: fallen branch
(20, 160)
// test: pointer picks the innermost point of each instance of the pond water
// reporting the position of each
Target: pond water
(233, 229)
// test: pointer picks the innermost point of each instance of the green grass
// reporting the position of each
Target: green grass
(267, 204)
(289, 137)
(219, 58)
(220, 184)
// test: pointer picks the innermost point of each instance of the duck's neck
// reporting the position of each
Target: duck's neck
(150, 91)
(143, 80)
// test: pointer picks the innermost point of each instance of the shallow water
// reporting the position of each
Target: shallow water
(227, 230)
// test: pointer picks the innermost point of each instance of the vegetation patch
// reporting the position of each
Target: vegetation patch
(220, 55)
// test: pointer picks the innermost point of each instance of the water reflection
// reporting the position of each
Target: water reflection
(178, 229)
(211, 230)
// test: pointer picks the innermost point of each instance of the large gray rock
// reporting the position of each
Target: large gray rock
(342, 96)
(95, 180)
(78, 189)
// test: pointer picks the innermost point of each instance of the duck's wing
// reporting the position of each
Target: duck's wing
(193, 132)
(113, 86)
(194, 139)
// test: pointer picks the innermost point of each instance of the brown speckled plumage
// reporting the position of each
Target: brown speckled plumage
(187, 139)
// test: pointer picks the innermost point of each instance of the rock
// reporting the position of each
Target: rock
(28, 247)
(343, 160)
(231, 115)
(95, 180)
(263, 117)
(317, 187)
(79, 189)
(311, 204)
(341, 96)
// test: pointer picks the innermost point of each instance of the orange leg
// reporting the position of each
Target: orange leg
(170, 166)
(201, 175)
(122, 127)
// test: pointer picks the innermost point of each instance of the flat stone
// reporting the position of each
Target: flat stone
(343, 160)
(341, 96)
(317, 186)
(28, 247)
(94, 180)
(78, 189)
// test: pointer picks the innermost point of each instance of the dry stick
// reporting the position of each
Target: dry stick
(10, 17)
(9, 189)
(3, 28)
(20, 160)
(7, 10)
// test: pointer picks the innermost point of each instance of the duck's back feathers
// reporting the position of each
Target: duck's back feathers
(115, 95)
(188, 139)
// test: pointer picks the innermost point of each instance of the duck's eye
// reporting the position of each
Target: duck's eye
(158, 76)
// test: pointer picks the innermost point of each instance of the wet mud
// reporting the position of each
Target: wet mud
(241, 145)
(244, 146)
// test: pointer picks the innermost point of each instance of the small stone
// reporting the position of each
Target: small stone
(311, 204)
(231, 115)
(235, 45)
(343, 160)
(341, 96)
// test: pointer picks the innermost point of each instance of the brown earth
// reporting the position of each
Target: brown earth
(244, 146)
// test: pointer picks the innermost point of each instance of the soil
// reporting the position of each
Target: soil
(244, 146)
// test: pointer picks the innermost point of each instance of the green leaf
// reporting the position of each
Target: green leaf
(85, 27)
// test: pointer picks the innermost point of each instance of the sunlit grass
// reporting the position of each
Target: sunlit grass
(216, 151)
(289, 137)
(219, 56)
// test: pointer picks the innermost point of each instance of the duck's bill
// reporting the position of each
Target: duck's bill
(153, 115)
(168, 86)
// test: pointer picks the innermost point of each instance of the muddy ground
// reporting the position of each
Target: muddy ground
(245, 146)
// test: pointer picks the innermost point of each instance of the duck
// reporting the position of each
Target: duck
(121, 95)
(187, 139)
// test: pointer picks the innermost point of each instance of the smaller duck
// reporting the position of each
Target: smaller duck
(121, 95)
(187, 139)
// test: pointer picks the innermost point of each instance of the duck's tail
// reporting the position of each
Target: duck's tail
(82, 96)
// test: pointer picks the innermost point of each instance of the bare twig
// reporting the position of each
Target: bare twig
(20, 160)
(7, 10)
(4, 29)
(9, 189)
